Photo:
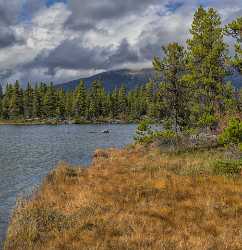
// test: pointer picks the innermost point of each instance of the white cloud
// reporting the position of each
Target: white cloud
(96, 25)
(43, 33)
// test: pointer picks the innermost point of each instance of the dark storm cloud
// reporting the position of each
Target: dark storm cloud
(70, 55)
(8, 37)
(92, 12)
(123, 54)
(9, 13)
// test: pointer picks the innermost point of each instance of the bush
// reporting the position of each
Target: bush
(166, 137)
(232, 135)
(230, 167)
(208, 120)
(144, 133)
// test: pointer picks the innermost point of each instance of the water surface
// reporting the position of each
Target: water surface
(28, 153)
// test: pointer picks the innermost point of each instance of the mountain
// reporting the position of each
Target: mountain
(131, 79)
(114, 79)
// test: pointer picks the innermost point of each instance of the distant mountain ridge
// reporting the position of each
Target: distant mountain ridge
(131, 79)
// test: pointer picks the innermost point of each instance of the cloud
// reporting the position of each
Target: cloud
(64, 39)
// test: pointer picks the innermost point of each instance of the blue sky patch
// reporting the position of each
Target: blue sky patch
(51, 2)
(173, 6)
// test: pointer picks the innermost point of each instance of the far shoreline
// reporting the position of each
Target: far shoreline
(54, 122)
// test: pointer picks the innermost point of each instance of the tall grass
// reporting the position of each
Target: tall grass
(137, 198)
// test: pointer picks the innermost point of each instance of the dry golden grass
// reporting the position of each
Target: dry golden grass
(136, 198)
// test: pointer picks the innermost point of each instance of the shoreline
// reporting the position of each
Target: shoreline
(57, 123)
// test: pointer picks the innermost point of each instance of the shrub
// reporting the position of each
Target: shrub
(166, 137)
(144, 133)
(208, 120)
(229, 167)
(232, 134)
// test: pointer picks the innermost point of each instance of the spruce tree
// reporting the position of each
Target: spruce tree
(60, 109)
(122, 102)
(50, 102)
(80, 101)
(16, 102)
(234, 29)
(69, 105)
(28, 101)
(174, 88)
(206, 66)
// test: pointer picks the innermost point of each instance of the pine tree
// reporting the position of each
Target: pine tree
(50, 102)
(150, 99)
(61, 109)
(16, 102)
(174, 88)
(80, 101)
(206, 65)
(28, 101)
(234, 29)
(122, 102)
(114, 112)
(69, 105)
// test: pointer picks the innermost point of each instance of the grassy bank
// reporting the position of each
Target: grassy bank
(136, 198)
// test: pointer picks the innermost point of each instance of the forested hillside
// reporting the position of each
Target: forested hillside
(132, 79)
(114, 79)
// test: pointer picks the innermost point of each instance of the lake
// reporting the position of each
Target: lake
(29, 153)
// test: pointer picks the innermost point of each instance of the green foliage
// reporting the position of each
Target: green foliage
(144, 132)
(234, 29)
(206, 66)
(207, 120)
(175, 93)
(166, 137)
(232, 134)
(229, 167)
(47, 102)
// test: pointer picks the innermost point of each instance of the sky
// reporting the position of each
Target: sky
(61, 40)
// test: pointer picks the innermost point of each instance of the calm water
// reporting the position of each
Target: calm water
(28, 153)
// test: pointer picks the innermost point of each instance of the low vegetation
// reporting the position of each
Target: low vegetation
(136, 198)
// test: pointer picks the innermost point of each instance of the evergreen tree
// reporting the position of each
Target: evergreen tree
(114, 104)
(61, 108)
(234, 29)
(50, 102)
(16, 102)
(69, 105)
(206, 65)
(80, 100)
(174, 89)
(28, 101)
(122, 102)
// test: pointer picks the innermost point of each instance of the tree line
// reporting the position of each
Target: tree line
(44, 101)
(190, 89)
